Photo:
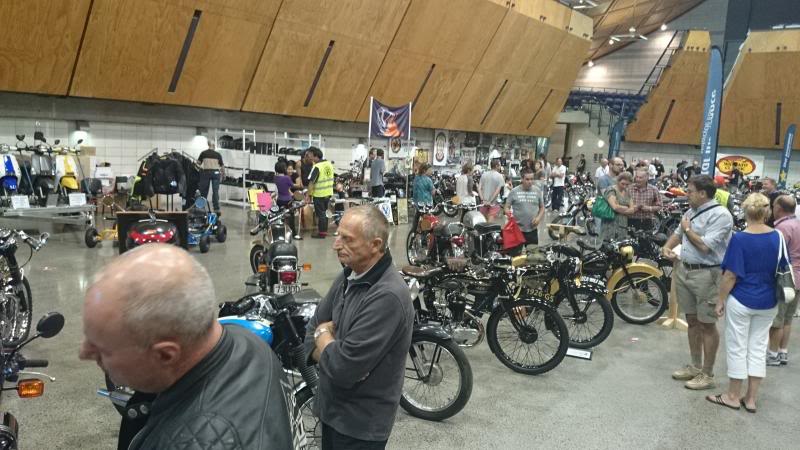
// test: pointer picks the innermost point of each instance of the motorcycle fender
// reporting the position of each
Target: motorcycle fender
(255, 242)
(618, 274)
(430, 330)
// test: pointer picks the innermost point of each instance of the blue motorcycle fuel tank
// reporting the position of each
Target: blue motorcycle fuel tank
(259, 327)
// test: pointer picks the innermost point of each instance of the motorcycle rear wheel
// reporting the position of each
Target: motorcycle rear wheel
(256, 255)
(640, 298)
(592, 324)
(434, 353)
(541, 325)
(17, 311)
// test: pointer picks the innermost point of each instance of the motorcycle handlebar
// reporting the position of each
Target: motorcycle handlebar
(254, 231)
(29, 363)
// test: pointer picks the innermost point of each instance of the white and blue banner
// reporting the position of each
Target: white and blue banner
(616, 138)
(711, 113)
(788, 142)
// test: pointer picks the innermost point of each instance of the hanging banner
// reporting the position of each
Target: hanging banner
(788, 141)
(750, 166)
(711, 113)
(440, 148)
(390, 122)
(615, 139)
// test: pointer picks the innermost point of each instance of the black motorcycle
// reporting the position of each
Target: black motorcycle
(16, 302)
(14, 365)
(273, 258)
(525, 334)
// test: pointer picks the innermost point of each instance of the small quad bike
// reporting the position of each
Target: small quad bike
(203, 224)
(94, 236)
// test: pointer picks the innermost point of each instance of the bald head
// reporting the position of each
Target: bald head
(784, 205)
(159, 290)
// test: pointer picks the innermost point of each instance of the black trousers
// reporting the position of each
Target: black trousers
(377, 191)
(290, 217)
(321, 209)
(558, 197)
(531, 237)
(333, 440)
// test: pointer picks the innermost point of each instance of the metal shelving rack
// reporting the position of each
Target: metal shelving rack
(240, 160)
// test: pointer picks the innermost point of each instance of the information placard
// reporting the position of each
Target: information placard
(20, 202)
(77, 199)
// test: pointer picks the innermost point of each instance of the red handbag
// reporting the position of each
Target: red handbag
(512, 235)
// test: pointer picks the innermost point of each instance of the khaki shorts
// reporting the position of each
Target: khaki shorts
(697, 291)
(785, 312)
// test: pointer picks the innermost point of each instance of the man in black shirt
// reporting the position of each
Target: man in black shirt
(211, 166)
(770, 189)
(306, 164)
(581, 165)
(659, 168)
(736, 177)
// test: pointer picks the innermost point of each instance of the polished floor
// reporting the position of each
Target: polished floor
(622, 398)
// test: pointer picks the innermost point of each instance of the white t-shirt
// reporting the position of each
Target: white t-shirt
(600, 172)
(652, 172)
(560, 172)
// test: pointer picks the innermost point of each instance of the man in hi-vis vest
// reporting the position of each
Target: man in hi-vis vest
(321, 189)
(211, 164)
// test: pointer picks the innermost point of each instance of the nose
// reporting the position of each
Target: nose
(337, 243)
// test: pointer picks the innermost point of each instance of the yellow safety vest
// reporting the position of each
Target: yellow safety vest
(722, 196)
(323, 187)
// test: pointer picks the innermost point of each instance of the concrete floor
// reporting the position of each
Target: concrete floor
(622, 398)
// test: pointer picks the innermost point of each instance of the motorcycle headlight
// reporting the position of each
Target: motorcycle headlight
(627, 252)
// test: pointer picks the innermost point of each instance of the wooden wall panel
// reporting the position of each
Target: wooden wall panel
(550, 12)
(765, 74)
(685, 83)
(546, 119)
(131, 50)
(563, 70)
(581, 25)
(361, 31)
(435, 32)
(39, 42)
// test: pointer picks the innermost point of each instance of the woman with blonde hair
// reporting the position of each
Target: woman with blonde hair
(747, 299)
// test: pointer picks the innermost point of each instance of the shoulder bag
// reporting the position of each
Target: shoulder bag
(784, 279)
(602, 208)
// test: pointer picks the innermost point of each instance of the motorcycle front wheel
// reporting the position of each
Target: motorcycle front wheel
(15, 315)
(256, 255)
(417, 248)
(532, 342)
(438, 380)
(304, 411)
(592, 321)
(449, 209)
(639, 298)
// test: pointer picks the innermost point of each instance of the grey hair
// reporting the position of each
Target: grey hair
(182, 305)
(373, 223)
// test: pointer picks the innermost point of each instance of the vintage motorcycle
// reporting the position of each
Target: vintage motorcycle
(277, 270)
(16, 302)
(14, 365)
(431, 241)
(273, 229)
(578, 213)
(525, 334)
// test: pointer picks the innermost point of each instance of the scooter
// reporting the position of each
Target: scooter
(38, 169)
(14, 365)
(66, 171)
(9, 172)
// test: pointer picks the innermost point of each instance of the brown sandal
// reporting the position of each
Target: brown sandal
(750, 410)
(717, 400)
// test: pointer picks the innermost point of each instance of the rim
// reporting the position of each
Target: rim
(311, 425)
(535, 346)
(588, 323)
(12, 330)
(435, 385)
(639, 298)
(417, 252)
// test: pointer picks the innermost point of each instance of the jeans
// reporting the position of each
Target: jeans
(558, 197)
(290, 217)
(377, 191)
(321, 209)
(333, 440)
(210, 177)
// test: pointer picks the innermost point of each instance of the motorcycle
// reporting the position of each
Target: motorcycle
(16, 302)
(277, 269)
(527, 335)
(37, 169)
(578, 213)
(481, 238)
(152, 230)
(14, 365)
(432, 241)
(273, 228)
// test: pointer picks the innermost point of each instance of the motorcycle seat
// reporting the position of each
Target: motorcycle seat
(487, 227)
(565, 230)
(586, 246)
(420, 272)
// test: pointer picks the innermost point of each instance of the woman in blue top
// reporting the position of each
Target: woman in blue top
(423, 185)
(747, 298)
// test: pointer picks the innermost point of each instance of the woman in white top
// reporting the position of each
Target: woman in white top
(464, 185)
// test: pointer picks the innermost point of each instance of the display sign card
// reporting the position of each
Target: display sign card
(20, 202)
(77, 199)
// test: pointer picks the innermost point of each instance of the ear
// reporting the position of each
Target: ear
(167, 352)
(378, 244)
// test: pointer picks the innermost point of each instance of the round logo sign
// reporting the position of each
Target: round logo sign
(746, 165)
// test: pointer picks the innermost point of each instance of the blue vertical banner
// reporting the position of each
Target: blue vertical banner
(711, 113)
(615, 139)
(788, 142)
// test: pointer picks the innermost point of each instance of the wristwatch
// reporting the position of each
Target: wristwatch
(319, 332)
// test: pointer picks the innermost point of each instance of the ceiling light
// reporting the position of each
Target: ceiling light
(610, 42)
(591, 63)
(663, 27)
(579, 143)
(580, 4)
(632, 29)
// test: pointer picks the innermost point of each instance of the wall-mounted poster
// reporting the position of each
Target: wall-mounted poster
(751, 166)
(440, 148)
(398, 148)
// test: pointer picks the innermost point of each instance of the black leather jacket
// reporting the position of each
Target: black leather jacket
(233, 399)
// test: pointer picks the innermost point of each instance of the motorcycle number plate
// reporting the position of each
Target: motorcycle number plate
(282, 289)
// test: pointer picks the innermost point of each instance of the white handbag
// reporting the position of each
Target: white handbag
(784, 281)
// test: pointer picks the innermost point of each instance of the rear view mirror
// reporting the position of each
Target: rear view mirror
(20, 137)
(38, 136)
(56, 142)
(50, 325)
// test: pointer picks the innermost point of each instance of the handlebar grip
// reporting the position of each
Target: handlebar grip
(254, 231)
(29, 363)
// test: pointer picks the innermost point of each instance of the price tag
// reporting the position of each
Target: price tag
(20, 202)
(77, 199)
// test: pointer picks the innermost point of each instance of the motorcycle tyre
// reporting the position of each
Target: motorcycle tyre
(90, 238)
(301, 398)
(256, 254)
(449, 210)
(551, 314)
(465, 374)
(409, 242)
(608, 320)
(659, 312)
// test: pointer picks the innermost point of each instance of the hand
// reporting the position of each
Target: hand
(329, 325)
(685, 223)
(536, 221)
(669, 254)
(719, 310)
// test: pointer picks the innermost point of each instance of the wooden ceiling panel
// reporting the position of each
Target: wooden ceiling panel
(39, 42)
(564, 68)
(548, 114)
(373, 22)
(479, 98)
(132, 48)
